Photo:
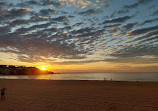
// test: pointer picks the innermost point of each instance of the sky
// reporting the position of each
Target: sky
(80, 35)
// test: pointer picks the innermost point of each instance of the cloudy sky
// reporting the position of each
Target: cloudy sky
(80, 35)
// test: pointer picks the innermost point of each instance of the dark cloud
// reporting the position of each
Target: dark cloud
(78, 24)
(112, 39)
(4, 30)
(129, 26)
(149, 21)
(62, 18)
(89, 12)
(26, 3)
(32, 2)
(145, 36)
(142, 30)
(74, 57)
(123, 11)
(82, 31)
(37, 18)
(19, 11)
(37, 46)
(117, 20)
(155, 13)
(67, 28)
(51, 2)
(136, 51)
(76, 62)
(137, 60)
(132, 5)
(18, 22)
(149, 39)
(3, 12)
(46, 12)
(90, 34)
(34, 27)
(139, 2)
(16, 12)
(2, 3)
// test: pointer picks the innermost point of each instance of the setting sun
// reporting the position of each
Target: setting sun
(43, 68)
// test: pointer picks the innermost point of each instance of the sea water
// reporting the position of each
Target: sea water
(115, 76)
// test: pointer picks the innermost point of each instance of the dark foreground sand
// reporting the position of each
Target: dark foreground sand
(46, 95)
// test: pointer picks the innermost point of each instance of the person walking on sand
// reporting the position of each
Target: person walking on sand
(3, 93)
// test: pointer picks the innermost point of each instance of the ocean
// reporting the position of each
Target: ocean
(115, 76)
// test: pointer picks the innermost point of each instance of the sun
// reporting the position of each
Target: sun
(43, 68)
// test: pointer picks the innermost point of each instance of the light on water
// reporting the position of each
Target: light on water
(91, 76)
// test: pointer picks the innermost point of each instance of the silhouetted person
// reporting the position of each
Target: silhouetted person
(3, 93)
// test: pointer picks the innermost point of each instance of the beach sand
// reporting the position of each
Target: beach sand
(51, 95)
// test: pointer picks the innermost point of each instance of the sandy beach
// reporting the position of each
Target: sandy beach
(50, 95)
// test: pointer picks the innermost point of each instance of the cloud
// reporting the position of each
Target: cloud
(2, 3)
(78, 24)
(129, 26)
(4, 30)
(3, 11)
(149, 39)
(149, 21)
(142, 30)
(76, 62)
(36, 18)
(114, 29)
(34, 27)
(82, 31)
(32, 2)
(89, 12)
(117, 20)
(123, 11)
(51, 2)
(138, 3)
(35, 47)
(20, 11)
(78, 3)
(37, 31)
(18, 22)
(62, 18)
(113, 25)
(46, 12)
(155, 13)
(137, 60)
(145, 36)
(136, 51)
(16, 12)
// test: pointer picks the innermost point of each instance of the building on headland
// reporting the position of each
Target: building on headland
(21, 70)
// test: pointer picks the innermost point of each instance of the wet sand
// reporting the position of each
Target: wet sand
(51, 95)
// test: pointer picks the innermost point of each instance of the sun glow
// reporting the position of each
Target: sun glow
(43, 68)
